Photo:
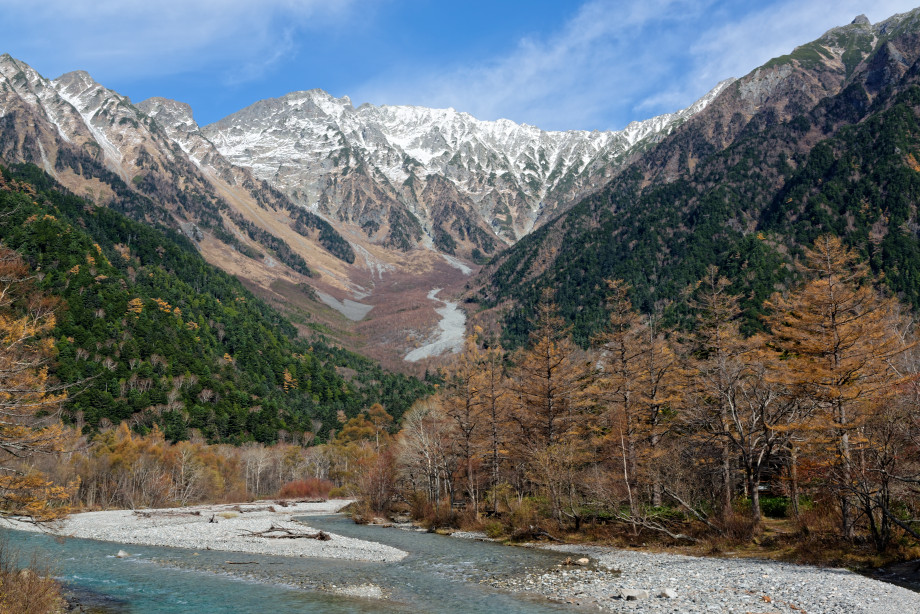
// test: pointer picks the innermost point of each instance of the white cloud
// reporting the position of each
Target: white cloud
(612, 62)
(616, 61)
(161, 37)
(568, 79)
(734, 49)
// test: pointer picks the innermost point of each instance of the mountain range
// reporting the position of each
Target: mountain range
(348, 217)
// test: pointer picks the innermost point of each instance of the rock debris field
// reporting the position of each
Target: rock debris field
(628, 581)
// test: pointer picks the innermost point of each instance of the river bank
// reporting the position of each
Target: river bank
(401, 569)
(629, 581)
(266, 528)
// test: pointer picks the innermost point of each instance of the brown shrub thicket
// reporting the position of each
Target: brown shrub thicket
(312, 488)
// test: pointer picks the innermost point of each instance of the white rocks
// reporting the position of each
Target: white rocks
(668, 593)
(122, 554)
(671, 583)
(582, 561)
(633, 594)
(190, 528)
(366, 591)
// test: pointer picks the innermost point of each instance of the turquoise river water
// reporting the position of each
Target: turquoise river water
(441, 574)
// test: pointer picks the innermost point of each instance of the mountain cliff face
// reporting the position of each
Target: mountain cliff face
(403, 178)
(820, 140)
(458, 180)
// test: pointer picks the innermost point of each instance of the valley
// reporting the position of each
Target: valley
(695, 335)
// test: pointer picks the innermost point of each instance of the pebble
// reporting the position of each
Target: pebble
(190, 528)
(678, 584)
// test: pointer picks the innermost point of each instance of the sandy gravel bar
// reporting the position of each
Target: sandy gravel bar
(640, 582)
(193, 528)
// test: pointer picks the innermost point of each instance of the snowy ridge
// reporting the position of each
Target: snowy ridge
(407, 176)
(512, 174)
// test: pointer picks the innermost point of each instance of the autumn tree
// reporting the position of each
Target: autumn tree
(659, 391)
(427, 453)
(548, 387)
(29, 401)
(494, 395)
(461, 398)
(617, 386)
(734, 397)
(839, 333)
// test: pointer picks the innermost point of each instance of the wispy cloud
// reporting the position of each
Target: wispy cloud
(610, 62)
(164, 37)
(570, 78)
(616, 61)
(735, 48)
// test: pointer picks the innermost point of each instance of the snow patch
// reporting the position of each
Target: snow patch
(372, 263)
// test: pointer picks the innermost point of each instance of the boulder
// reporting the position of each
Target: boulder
(582, 561)
(668, 593)
(122, 554)
(633, 594)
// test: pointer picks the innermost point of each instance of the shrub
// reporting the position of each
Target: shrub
(494, 529)
(313, 488)
(26, 591)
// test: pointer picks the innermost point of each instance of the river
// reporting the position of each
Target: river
(440, 574)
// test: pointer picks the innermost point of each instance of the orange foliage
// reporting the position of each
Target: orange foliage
(313, 488)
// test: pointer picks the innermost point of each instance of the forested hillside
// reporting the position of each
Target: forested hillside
(744, 188)
(150, 333)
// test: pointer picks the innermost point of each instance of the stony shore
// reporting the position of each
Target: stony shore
(607, 579)
(221, 527)
(640, 582)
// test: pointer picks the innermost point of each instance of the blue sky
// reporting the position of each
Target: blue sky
(559, 65)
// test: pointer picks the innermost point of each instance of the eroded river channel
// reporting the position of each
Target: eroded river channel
(440, 574)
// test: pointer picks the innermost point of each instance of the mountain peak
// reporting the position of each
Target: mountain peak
(861, 20)
(175, 110)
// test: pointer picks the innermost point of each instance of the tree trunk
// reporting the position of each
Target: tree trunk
(726, 482)
(794, 481)
(754, 489)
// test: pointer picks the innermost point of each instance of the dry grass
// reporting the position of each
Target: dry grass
(27, 591)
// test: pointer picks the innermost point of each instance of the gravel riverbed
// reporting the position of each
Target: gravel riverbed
(640, 582)
(220, 527)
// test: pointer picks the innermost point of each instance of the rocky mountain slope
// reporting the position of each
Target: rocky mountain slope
(347, 218)
(820, 140)
(410, 174)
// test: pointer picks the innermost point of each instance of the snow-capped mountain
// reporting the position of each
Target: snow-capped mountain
(406, 177)
(504, 178)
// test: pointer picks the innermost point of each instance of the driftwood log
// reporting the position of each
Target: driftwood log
(274, 532)
(154, 513)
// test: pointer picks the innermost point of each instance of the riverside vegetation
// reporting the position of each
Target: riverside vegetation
(649, 434)
(686, 435)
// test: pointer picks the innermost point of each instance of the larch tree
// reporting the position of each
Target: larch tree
(552, 427)
(621, 367)
(29, 401)
(493, 390)
(462, 401)
(838, 332)
(734, 399)
(660, 390)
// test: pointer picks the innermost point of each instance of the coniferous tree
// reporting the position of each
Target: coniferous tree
(839, 333)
